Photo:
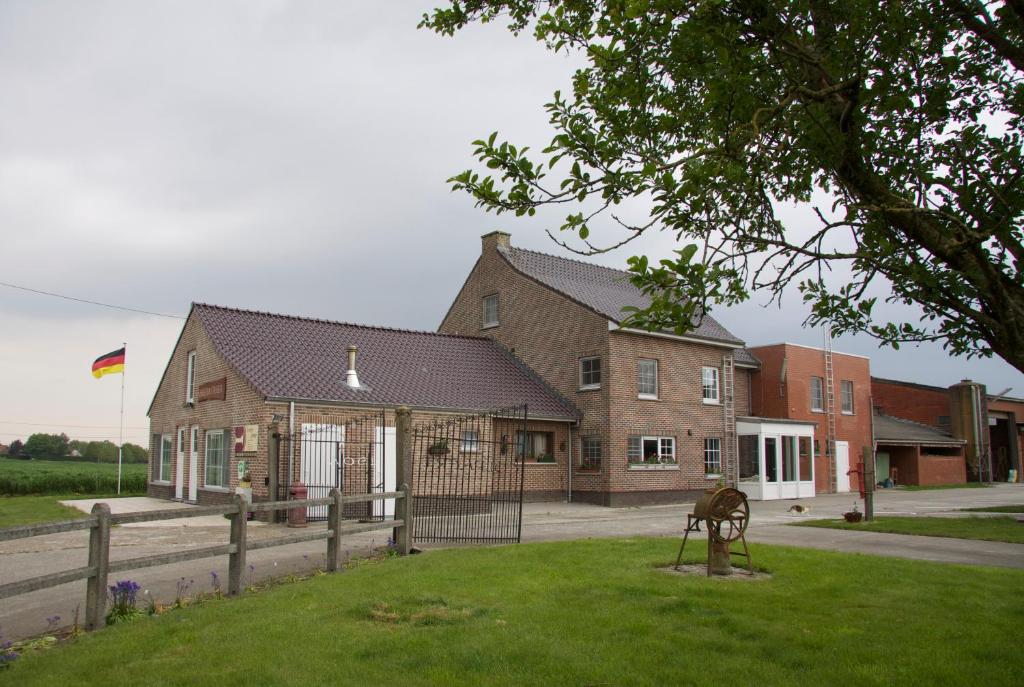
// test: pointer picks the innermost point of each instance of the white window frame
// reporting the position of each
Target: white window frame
(647, 395)
(710, 390)
(469, 441)
(843, 385)
(226, 473)
(591, 385)
(487, 321)
(166, 447)
(820, 407)
(190, 379)
(666, 448)
(713, 456)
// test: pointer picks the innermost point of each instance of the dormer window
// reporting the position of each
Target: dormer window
(491, 310)
(190, 379)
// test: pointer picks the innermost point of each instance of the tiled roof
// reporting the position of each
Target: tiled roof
(889, 429)
(301, 358)
(604, 290)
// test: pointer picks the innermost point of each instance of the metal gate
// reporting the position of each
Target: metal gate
(355, 455)
(468, 478)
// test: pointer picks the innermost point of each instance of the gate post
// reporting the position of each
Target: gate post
(99, 557)
(236, 560)
(334, 523)
(403, 458)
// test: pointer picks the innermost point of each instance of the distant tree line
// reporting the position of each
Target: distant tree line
(59, 447)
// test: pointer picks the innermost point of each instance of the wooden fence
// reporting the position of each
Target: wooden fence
(100, 520)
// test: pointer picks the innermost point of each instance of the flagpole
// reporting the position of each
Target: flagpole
(120, 443)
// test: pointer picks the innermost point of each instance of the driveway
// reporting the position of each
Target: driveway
(26, 615)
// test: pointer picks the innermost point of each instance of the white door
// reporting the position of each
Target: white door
(179, 470)
(193, 465)
(842, 467)
(319, 453)
(385, 464)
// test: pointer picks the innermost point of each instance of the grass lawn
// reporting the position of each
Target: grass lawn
(68, 477)
(593, 612)
(1017, 508)
(930, 487)
(987, 529)
(26, 510)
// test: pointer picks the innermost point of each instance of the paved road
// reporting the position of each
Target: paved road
(26, 615)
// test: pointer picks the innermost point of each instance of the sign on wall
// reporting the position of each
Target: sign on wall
(217, 390)
(247, 438)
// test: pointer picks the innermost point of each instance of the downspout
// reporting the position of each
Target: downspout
(568, 493)
(291, 443)
(975, 421)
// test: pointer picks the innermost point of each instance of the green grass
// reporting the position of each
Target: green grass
(1016, 508)
(68, 477)
(930, 487)
(593, 612)
(28, 510)
(986, 529)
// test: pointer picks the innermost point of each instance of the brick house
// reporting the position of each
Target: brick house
(238, 380)
(991, 427)
(792, 383)
(658, 411)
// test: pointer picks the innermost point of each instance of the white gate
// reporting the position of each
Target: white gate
(320, 454)
(384, 466)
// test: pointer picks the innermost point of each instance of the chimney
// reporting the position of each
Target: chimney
(494, 240)
(351, 378)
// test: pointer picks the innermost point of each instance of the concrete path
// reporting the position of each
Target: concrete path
(26, 615)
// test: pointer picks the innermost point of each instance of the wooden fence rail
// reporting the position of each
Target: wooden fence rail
(101, 519)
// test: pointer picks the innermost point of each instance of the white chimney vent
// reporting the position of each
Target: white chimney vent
(351, 378)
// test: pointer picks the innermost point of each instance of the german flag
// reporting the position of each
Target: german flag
(108, 364)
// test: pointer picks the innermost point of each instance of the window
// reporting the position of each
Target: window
(590, 455)
(712, 456)
(190, 378)
(846, 396)
(470, 441)
(750, 458)
(534, 447)
(491, 310)
(166, 445)
(709, 380)
(818, 394)
(590, 373)
(216, 459)
(647, 378)
(651, 450)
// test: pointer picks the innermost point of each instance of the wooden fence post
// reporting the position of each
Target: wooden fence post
(99, 557)
(334, 523)
(403, 457)
(239, 532)
(403, 512)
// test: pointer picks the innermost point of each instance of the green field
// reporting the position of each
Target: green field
(986, 529)
(594, 612)
(68, 477)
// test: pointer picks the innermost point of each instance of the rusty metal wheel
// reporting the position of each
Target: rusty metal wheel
(730, 513)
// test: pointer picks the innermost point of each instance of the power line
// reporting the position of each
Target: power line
(61, 424)
(89, 302)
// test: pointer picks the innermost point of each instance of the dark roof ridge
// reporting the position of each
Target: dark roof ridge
(904, 420)
(624, 273)
(322, 320)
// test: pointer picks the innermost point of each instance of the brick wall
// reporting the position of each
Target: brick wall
(678, 412)
(915, 402)
(791, 399)
(242, 405)
(548, 332)
(941, 469)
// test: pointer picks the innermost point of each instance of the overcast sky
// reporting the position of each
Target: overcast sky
(284, 156)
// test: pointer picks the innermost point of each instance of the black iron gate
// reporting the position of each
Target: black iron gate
(356, 455)
(468, 478)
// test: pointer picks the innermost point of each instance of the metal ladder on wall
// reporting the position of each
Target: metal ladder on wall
(830, 412)
(729, 451)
